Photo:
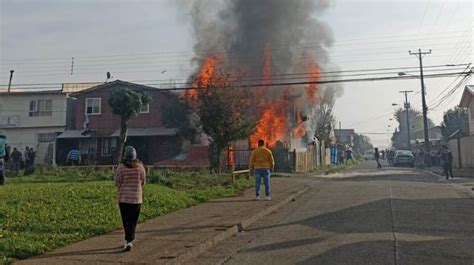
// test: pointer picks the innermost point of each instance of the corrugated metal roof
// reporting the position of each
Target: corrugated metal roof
(147, 132)
(68, 134)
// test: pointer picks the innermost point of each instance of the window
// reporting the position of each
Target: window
(46, 137)
(93, 106)
(145, 109)
(41, 107)
(109, 145)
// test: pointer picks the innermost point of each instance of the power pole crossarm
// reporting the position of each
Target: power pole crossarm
(420, 54)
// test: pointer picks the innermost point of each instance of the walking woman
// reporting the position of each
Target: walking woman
(129, 179)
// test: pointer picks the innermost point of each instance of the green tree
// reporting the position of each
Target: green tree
(400, 136)
(177, 113)
(361, 143)
(455, 119)
(126, 103)
(222, 110)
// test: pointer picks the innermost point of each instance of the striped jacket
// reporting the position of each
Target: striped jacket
(129, 182)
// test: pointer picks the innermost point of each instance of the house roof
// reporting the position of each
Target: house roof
(148, 132)
(466, 96)
(118, 82)
(19, 91)
(196, 156)
(68, 134)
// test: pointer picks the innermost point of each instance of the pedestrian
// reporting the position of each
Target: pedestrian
(73, 157)
(261, 164)
(349, 155)
(30, 162)
(129, 179)
(447, 158)
(16, 160)
(377, 157)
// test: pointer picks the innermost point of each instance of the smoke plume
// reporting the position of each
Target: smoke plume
(285, 36)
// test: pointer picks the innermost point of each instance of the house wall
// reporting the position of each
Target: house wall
(467, 151)
(16, 107)
(107, 122)
(23, 137)
(471, 116)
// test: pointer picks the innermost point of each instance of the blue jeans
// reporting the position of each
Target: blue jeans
(259, 174)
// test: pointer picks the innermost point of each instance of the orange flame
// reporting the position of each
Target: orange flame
(299, 131)
(272, 125)
(207, 72)
(312, 89)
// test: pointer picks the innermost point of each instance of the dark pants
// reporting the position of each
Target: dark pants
(259, 174)
(129, 213)
(448, 170)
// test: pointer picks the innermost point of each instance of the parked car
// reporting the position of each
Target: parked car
(369, 155)
(404, 157)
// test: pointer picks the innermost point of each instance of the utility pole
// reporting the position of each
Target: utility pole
(420, 56)
(10, 82)
(407, 107)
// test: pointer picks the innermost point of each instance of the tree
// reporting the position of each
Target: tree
(361, 143)
(455, 119)
(400, 136)
(177, 114)
(324, 118)
(126, 103)
(222, 110)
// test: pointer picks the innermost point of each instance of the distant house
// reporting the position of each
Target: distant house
(95, 129)
(345, 136)
(33, 119)
(467, 101)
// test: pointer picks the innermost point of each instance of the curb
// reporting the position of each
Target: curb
(233, 230)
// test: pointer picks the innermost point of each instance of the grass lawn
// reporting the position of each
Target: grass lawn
(53, 208)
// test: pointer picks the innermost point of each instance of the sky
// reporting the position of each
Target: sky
(152, 40)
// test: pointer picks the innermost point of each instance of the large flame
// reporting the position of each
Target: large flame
(299, 131)
(272, 125)
(204, 77)
(312, 89)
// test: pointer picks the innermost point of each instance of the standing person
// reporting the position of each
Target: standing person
(16, 160)
(349, 155)
(25, 157)
(377, 157)
(129, 179)
(73, 157)
(261, 163)
(447, 158)
(30, 163)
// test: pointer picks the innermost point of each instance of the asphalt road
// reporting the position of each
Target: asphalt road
(368, 216)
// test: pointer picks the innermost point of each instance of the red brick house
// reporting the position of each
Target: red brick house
(94, 129)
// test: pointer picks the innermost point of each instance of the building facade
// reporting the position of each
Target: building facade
(95, 129)
(33, 119)
(467, 101)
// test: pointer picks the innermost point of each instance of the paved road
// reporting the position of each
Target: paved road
(369, 216)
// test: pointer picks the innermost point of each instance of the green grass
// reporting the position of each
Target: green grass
(53, 208)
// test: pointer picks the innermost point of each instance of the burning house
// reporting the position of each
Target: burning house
(271, 46)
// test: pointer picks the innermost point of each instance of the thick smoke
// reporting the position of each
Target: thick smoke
(242, 29)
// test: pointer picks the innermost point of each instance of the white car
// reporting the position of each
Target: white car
(369, 155)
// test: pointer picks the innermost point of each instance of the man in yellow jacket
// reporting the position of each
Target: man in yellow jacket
(261, 163)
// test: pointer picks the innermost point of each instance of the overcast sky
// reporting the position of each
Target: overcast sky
(152, 40)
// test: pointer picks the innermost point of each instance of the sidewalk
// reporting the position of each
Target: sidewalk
(179, 236)
(463, 177)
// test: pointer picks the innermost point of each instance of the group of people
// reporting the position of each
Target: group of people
(15, 160)
(344, 154)
(130, 176)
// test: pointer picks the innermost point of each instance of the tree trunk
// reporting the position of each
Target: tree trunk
(121, 140)
(215, 157)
